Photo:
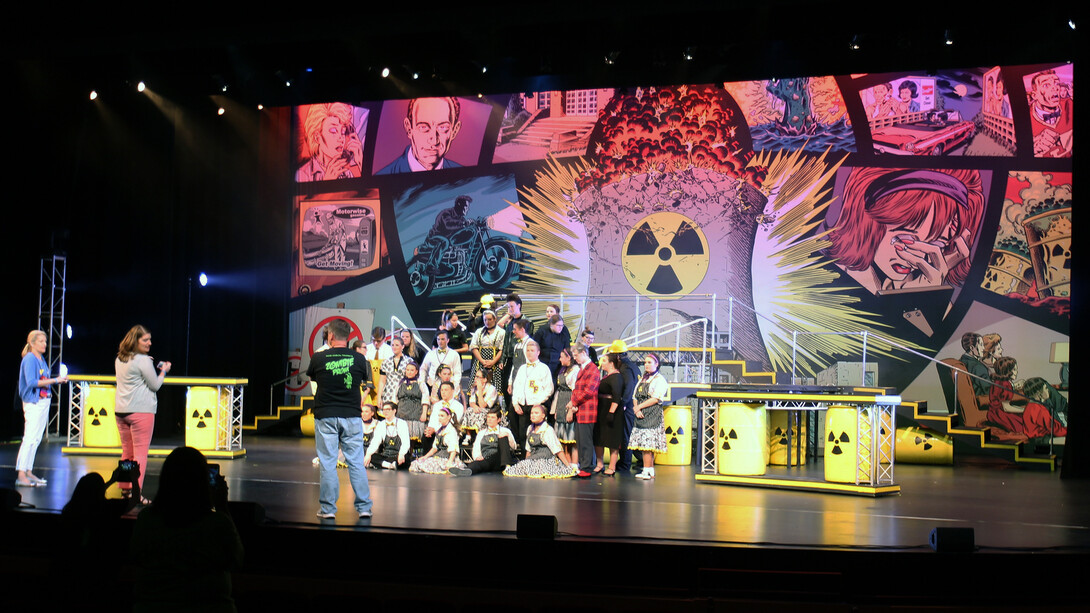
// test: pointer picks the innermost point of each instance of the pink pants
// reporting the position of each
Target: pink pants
(135, 430)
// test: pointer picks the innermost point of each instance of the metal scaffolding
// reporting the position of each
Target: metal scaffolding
(51, 321)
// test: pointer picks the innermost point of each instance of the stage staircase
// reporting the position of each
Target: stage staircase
(284, 413)
(980, 441)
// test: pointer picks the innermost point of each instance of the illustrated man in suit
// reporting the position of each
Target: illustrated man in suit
(431, 124)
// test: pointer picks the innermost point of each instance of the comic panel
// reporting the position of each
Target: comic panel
(459, 240)
(426, 134)
(1031, 258)
(659, 131)
(805, 113)
(997, 354)
(329, 141)
(939, 114)
(335, 238)
(1051, 111)
(557, 123)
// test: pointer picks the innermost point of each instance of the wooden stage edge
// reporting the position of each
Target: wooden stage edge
(154, 452)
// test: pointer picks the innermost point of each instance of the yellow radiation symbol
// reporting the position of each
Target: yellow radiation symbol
(665, 256)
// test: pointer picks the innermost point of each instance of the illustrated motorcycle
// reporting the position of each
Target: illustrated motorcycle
(468, 254)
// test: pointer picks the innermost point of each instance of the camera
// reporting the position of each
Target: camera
(213, 474)
(128, 471)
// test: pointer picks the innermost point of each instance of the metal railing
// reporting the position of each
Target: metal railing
(676, 327)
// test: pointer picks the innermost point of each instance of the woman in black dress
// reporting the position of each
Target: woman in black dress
(609, 431)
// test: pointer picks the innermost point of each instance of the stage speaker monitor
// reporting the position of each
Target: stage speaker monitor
(952, 540)
(537, 527)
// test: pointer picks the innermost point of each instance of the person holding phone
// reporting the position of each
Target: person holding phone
(34, 391)
(136, 402)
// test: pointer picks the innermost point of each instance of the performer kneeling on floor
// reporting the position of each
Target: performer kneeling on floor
(390, 445)
(491, 449)
(545, 457)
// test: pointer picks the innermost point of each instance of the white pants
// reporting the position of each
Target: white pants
(36, 415)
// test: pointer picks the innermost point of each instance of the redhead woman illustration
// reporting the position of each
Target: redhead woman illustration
(904, 229)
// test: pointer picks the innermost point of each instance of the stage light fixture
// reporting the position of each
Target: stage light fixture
(416, 75)
(68, 330)
(287, 83)
(203, 279)
(261, 107)
(1071, 23)
(309, 69)
(480, 95)
(94, 95)
(688, 53)
(948, 38)
(224, 88)
(385, 72)
(854, 44)
(484, 69)
(140, 87)
(221, 111)
(611, 57)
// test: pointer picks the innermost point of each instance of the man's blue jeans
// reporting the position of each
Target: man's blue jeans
(347, 434)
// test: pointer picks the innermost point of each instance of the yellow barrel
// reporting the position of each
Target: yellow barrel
(921, 446)
(99, 422)
(678, 421)
(845, 457)
(777, 439)
(202, 415)
(742, 438)
(306, 424)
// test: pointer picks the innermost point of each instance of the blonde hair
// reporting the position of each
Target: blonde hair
(30, 338)
(127, 348)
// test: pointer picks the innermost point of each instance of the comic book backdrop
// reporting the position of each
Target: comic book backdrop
(900, 204)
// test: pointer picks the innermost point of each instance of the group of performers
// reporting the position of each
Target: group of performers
(537, 405)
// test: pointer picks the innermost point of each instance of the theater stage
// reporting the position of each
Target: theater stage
(680, 525)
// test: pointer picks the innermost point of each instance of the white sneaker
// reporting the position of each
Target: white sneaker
(322, 515)
(388, 465)
(643, 475)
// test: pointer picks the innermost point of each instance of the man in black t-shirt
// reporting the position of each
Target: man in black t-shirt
(339, 373)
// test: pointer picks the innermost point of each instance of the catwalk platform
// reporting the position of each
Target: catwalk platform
(671, 538)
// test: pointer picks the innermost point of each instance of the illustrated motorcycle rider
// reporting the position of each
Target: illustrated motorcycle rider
(447, 223)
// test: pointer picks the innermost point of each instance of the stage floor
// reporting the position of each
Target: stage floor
(1009, 509)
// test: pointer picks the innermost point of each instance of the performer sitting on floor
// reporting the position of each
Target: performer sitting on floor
(545, 457)
(369, 425)
(492, 448)
(443, 454)
(390, 448)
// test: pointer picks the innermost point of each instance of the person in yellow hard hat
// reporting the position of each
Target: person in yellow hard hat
(477, 317)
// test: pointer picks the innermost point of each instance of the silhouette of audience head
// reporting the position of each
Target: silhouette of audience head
(184, 489)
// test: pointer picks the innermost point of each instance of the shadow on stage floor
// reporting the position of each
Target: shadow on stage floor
(670, 544)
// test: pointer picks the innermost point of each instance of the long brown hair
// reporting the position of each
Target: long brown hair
(127, 348)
